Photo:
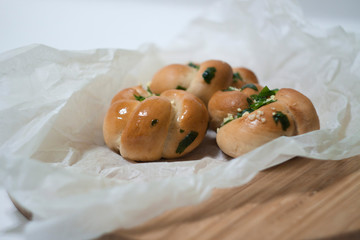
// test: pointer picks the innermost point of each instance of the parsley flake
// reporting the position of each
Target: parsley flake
(250, 85)
(186, 141)
(209, 74)
(139, 98)
(279, 116)
(193, 65)
(154, 122)
(180, 88)
(237, 77)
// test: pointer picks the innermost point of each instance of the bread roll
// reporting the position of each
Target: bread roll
(230, 101)
(288, 113)
(144, 127)
(202, 80)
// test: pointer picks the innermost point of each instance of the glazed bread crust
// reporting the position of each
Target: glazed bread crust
(212, 75)
(302, 109)
(223, 103)
(244, 76)
(261, 126)
(156, 126)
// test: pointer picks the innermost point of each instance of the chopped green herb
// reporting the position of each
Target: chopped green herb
(263, 98)
(229, 89)
(228, 119)
(261, 102)
(279, 116)
(250, 85)
(237, 77)
(154, 122)
(182, 130)
(139, 98)
(255, 101)
(180, 88)
(193, 65)
(249, 101)
(225, 122)
(149, 90)
(186, 141)
(209, 74)
(240, 114)
(266, 92)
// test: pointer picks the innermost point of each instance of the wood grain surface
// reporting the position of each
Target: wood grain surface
(299, 199)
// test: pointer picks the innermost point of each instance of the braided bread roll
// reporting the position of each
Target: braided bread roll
(202, 80)
(230, 101)
(291, 114)
(144, 127)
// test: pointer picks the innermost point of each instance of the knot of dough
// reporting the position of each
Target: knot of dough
(230, 101)
(290, 114)
(144, 127)
(202, 80)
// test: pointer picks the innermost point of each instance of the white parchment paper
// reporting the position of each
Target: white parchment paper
(53, 158)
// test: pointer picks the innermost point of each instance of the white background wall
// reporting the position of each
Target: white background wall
(87, 24)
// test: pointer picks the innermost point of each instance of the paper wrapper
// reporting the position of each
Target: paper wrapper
(53, 158)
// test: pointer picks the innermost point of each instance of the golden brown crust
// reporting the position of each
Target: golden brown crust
(301, 108)
(223, 103)
(172, 77)
(248, 91)
(142, 140)
(204, 89)
(115, 121)
(246, 76)
(192, 80)
(246, 133)
(130, 93)
(190, 114)
(153, 128)
(261, 126)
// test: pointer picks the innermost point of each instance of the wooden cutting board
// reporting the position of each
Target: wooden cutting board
(299, 199)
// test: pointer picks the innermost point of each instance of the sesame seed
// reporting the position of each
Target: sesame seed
(251, 117)
(273, 113)
(263, 120)
(239, 109)
(272, 108)
(245, 114)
